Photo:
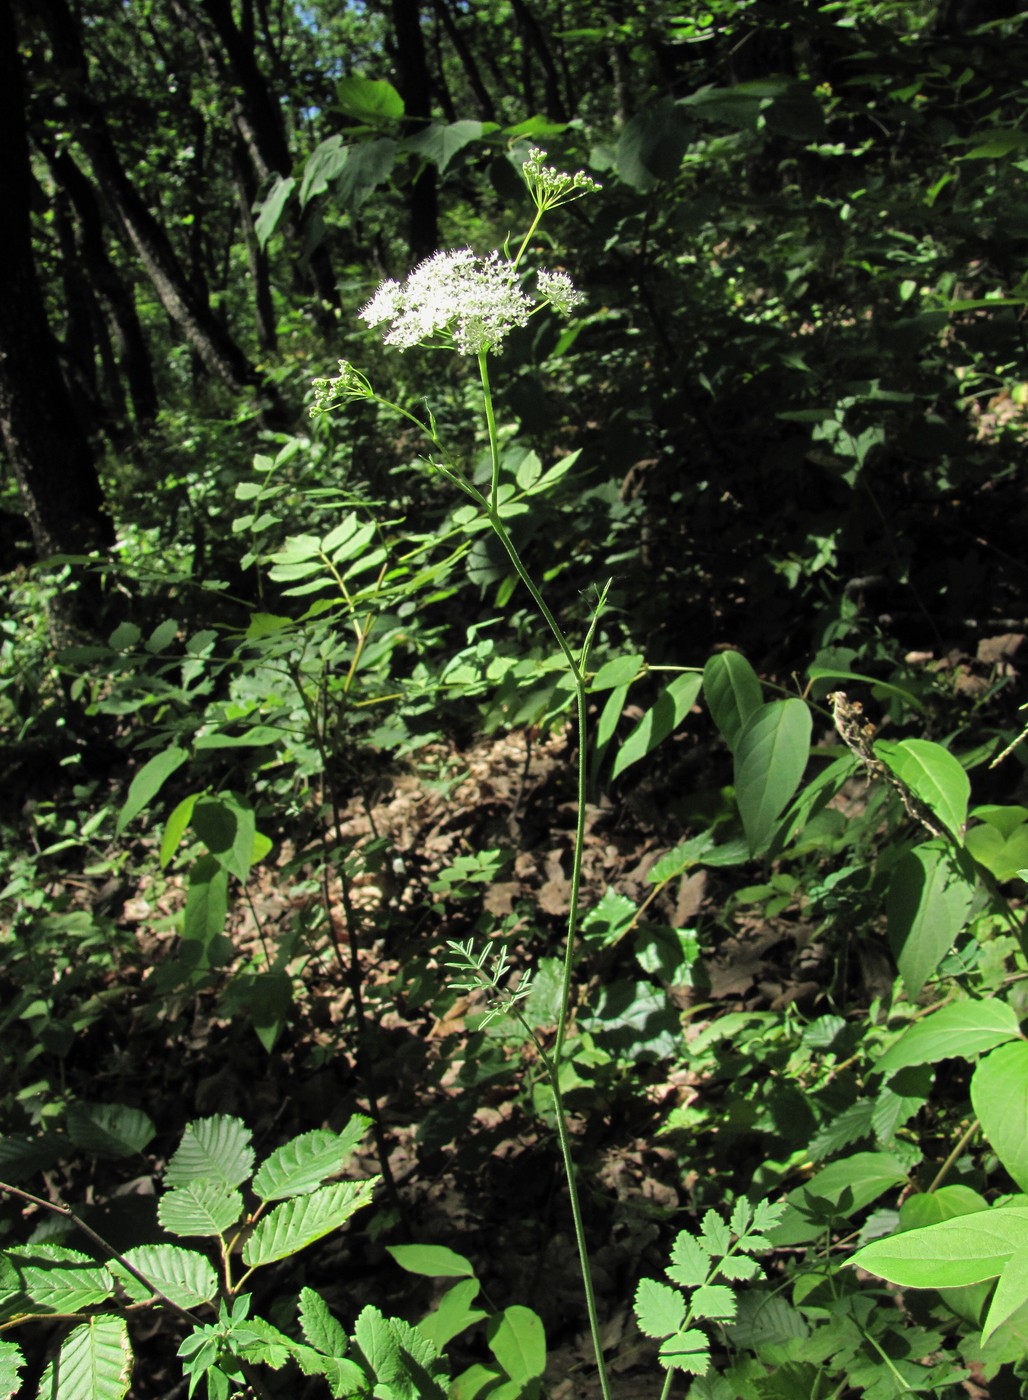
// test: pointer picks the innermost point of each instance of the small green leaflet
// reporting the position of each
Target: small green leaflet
(659, 1310)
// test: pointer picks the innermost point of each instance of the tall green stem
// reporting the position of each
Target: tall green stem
(577, 670)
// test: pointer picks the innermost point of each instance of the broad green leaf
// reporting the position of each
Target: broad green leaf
(659, 1310)
(999, 1096)
(109, 1129)
(686, 1351)
(148, 782)
(175, 827)
(273, 207)
(300, 1166)
(714, 1301)
(207, 1208)
(771, 754)
(933, 775)
(212, 1149)
(927, 905)
(95, 1363)
(227, 826)
(203, 918)
(652, 143)
(322, 166)
(733, 693)
(370, 165)
(1000, 841)
(431, 1260)
(12, 1363)
(958, 1031)
(60, 1280)
(930, 1207)
(518, 1341)
(182, 1275)
(657, 723)
(1011, 1293)
(369, 100)
(845, 1187)
(439, 142)
(967, 1249)
(453, 1315)
(297, 1223)
(620, 671)
(321, 1328)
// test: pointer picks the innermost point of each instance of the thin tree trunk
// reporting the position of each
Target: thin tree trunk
(415, 86)
(486, 106)
(48, 450)
(256, 256)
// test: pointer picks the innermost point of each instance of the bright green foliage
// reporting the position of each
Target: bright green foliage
(721, 1251)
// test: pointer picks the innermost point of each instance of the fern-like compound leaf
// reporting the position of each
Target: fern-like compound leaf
(686, 1351)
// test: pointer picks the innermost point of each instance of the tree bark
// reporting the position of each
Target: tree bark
(486, 106)
(219, 352)
(415, 87)
(47, 448)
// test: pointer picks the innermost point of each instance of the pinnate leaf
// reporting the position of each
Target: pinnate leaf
(659, 1310)
(686, 1351)
(95, 1363)
(738, 1268)
(200, 1208)
(742, 1216)
(715, 1235)
(212, 1149)
(297, 1223)
(690, 1261)
(713, 1301)
(300, 1166)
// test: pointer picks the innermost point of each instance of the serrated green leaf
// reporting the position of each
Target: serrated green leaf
(767, 1214)
(205, 1208)
(961, 1030)
(212, 1149)
(713, 1302)
(297, 1223)
(321, 1328)
(12, 1363)
(60, 1280)
(686, 1351)
(659, 1310)
(300, 1166)
(431, 1260)
(741, 1217)
(517, 1340)
(95, 1363)
(690, 1261)
(999, 1096)
(182, 1275)
(739, 1267)
(109, 1130)
(715, 1236)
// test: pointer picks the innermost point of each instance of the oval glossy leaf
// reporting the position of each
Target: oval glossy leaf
(999, 1096)
(212, 1149)
(733, 693)
(931, 1207)
(518, 1341)
(109, 1129)
(206, 1208)
(300, 1166)
(770, 757)
(620, 671)
(206, 901)
(959, 1031)
(175, 827)
(453, 1315)
(431, 1260)
(182, 1275)
(95, 1363)
(148, 782)
(934, 776)
(297, 1223)
(658, 722)
(927, 906)
(369, 99)
(951, 1254)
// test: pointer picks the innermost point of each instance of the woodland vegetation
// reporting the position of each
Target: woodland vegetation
(512, 882)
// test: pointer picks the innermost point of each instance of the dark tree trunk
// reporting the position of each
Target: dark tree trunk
(256, 256)
(48, 451)
(534, 36)
(486, 106)
(218, 351)
(115, 298)
(415, 87)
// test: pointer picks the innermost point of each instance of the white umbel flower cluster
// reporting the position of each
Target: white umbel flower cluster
(454, 298)
(558, 289)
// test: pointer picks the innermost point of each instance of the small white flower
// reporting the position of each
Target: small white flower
(549, 186)
(455, 297)
(558, 289)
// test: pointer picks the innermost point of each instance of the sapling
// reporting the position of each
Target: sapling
(468, 303)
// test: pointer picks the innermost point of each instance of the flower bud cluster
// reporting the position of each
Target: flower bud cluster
(348, 384)
(549, 186)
